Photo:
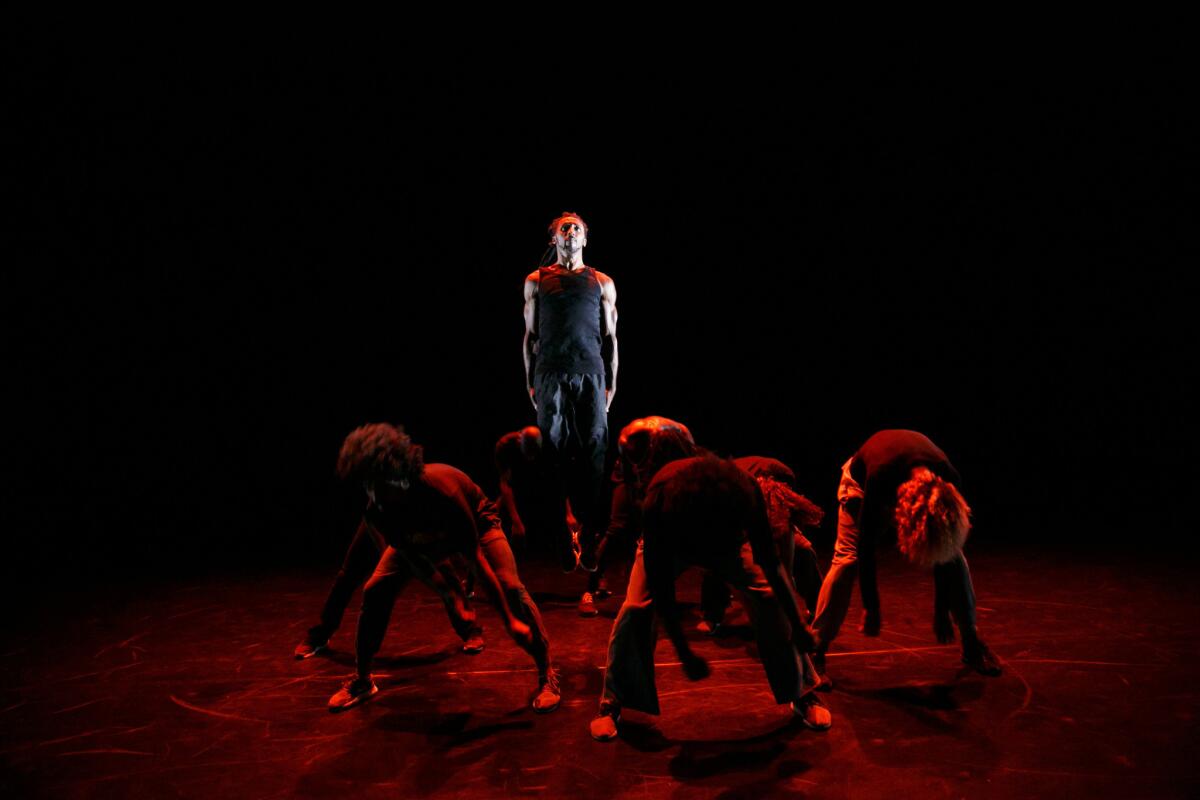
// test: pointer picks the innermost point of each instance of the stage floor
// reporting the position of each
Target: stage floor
(191, 691)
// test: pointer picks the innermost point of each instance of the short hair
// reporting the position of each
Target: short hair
(932, 519)
(650, 443)
(378, 449)
(553, 229)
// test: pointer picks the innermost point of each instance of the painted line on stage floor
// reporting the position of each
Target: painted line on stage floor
(210, 712)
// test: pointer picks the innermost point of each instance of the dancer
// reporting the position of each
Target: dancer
(900, 480)
(570, 351)
(429, 514)
(702, 511)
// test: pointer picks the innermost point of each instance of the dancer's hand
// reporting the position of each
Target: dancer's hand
(520, 632)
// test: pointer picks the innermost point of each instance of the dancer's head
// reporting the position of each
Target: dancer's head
(383, 457)
(568, 234)
(530, 439)
(786, 507)
(649, 443)
(932, 518)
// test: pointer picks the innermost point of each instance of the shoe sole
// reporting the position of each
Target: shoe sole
(472, 651)
(311, 653)
(812, 727)
(594, 612)
(537, 710)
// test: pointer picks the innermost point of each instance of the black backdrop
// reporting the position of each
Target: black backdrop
(222, 264)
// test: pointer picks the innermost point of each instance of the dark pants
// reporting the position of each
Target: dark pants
(396, 568)
(574, 424)
(629, 676)
(361, 559)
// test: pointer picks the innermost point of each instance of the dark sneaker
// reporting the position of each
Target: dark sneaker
(982, 660)
(812, 712)
(708, 628)
(871, 624)
(587, 605)
(548, 695)
(307, 649)
(604, 727)
(602, 593)
(473, 645)
(354, 692)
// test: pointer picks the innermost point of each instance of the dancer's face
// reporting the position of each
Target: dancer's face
(570, 236)
(387, 490)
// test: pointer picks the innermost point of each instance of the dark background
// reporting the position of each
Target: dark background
(225, 259)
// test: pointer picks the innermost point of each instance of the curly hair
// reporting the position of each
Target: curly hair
(379, 449)
(785, 507)
(932, 518)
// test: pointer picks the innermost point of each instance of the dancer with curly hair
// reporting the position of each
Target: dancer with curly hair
(901, 481)
(428, 515)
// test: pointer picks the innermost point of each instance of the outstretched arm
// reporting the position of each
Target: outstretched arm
(529, 345)
(508, 503)
(608, 301)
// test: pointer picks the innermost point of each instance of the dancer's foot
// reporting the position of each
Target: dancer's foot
(548, 694)
(352, 693)
(812, 712)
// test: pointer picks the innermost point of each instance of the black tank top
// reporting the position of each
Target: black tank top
(569, 324)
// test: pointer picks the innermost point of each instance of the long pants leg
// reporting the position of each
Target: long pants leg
(629, 674)
(391, 575)
(574, 422)
(806, 572)
(500, 557)
(789, 672)
(834, 599)
(953, 591)
(365, 549)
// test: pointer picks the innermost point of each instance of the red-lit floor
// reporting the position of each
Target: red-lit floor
(192, 691)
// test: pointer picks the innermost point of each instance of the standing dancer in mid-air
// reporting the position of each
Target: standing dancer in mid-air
(570, 351)
(429, 515)
(900, 480)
